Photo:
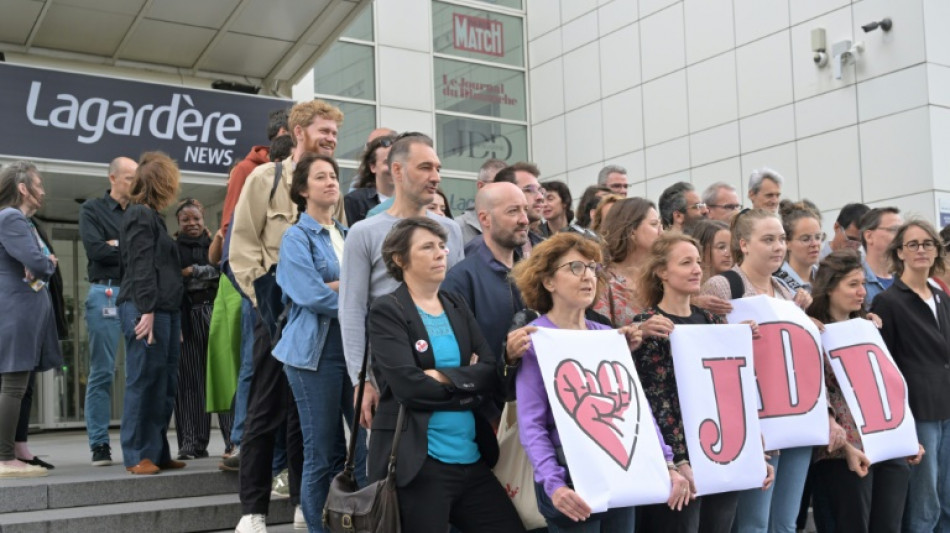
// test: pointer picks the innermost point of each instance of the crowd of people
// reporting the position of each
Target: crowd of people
(268, 321)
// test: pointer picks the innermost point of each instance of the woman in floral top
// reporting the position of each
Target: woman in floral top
(629, 230)
(854, 492)
(671, 275)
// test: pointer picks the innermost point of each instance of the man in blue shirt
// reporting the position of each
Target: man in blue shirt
(482, 277)
(878, 228)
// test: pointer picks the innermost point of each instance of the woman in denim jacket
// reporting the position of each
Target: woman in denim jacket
(310, 347)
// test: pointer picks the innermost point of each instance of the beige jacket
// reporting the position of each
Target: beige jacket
(260, 223)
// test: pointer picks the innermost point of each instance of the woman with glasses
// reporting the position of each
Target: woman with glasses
(915, 318)
(803, 231)
(758, 248)
(560, 280)
(713, 237)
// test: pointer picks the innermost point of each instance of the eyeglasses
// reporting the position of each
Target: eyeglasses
(698, 206)
(891, 229)
(619, 186)
(808, 239)
(579, 267)
(727, 207)
(913, 246)
(533, 189)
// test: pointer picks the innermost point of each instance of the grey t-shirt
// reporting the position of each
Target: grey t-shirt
(365, 278)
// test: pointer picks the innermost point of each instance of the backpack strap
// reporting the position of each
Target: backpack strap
(736, 287)
(277, 173)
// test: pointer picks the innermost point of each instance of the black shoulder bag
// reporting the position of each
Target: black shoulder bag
(375, 507)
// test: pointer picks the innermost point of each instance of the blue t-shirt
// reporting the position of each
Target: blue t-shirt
(451, 433)
(887, 282)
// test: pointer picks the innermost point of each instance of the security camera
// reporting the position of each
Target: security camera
(820, 58)
(885, 24)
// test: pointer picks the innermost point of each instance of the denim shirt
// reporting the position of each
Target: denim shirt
(307, 263)
(872, 285)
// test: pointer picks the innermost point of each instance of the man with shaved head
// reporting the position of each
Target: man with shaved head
(482, 277)
(99, 220)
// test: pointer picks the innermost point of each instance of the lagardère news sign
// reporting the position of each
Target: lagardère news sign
(49, 114)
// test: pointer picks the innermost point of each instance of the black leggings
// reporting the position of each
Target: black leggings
(26, 405)
(12, 388)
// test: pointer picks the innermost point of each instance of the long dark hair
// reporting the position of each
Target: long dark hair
(302, 172)
(832, 269)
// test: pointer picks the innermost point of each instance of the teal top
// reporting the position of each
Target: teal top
(451, 433)
(381, 207)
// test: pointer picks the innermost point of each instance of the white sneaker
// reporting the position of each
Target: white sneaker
(7, 471)
(299, 521)
(252, 523)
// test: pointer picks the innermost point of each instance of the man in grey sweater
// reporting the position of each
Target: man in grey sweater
(415, 170)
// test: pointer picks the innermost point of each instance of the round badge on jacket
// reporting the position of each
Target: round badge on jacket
(421, 346)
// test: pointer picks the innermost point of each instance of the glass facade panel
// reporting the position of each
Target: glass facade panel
(464, 144)
(362, 26)
(346, 70)
(514, 4)
(477, 34)
(476, 89)
(459, 192)
(358, 121)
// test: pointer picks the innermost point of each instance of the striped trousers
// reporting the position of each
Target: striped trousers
(192, 422)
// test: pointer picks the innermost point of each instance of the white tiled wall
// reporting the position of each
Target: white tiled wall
(707, 90)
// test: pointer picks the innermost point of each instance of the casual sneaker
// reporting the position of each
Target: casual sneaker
(187, 456)
(231, 464)
(280, 487)
(252, 523)
(101, 455)
(299, 521)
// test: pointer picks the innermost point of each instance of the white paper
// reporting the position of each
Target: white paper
(882, 415)
(793, 409)
(604, 421)
(717, 394)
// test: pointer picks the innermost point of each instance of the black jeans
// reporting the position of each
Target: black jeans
(269, 404)
(874, 503)
(713, 513)
(467, 496)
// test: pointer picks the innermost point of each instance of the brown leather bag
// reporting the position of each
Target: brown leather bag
(374, 508)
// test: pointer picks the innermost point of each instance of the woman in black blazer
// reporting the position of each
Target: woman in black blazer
(915, 320)
(430, 356)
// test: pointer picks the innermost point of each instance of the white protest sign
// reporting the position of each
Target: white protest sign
(610, 442)
(789, 372)
(717, 394)
(873, 387)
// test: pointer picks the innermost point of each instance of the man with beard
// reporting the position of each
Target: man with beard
(261, 216)
(680, 207)
(482, 277)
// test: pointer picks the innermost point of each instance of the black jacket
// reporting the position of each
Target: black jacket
(358, 202)
(395, 327)
(920, 346)
(151, 273)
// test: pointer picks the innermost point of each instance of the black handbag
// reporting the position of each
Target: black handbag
(374, 508)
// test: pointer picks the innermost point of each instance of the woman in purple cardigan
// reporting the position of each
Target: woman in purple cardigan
(561, 280)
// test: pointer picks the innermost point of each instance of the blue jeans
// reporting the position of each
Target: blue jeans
(928, 498)
(324, 399)
(103, 342)
(246, 371)
(151, 381)
(776, 510)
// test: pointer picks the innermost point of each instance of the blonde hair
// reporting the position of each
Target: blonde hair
(742, 226)
(529, 274)
(651, 286)
(598, 219)
(156, 181)
(304, 113)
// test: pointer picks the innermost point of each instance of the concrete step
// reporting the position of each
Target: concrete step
(89, 486)
(204, 513)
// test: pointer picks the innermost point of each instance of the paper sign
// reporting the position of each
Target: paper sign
(789, 372)
(873, 387)
(604, 421)
(717, 394)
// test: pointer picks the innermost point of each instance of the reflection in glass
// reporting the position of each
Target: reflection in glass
(464, 144)
(346, 70)
(479, 90)
(358, 121)
(459, 192)
(477, 34)
(362, 26)
(514, 4)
